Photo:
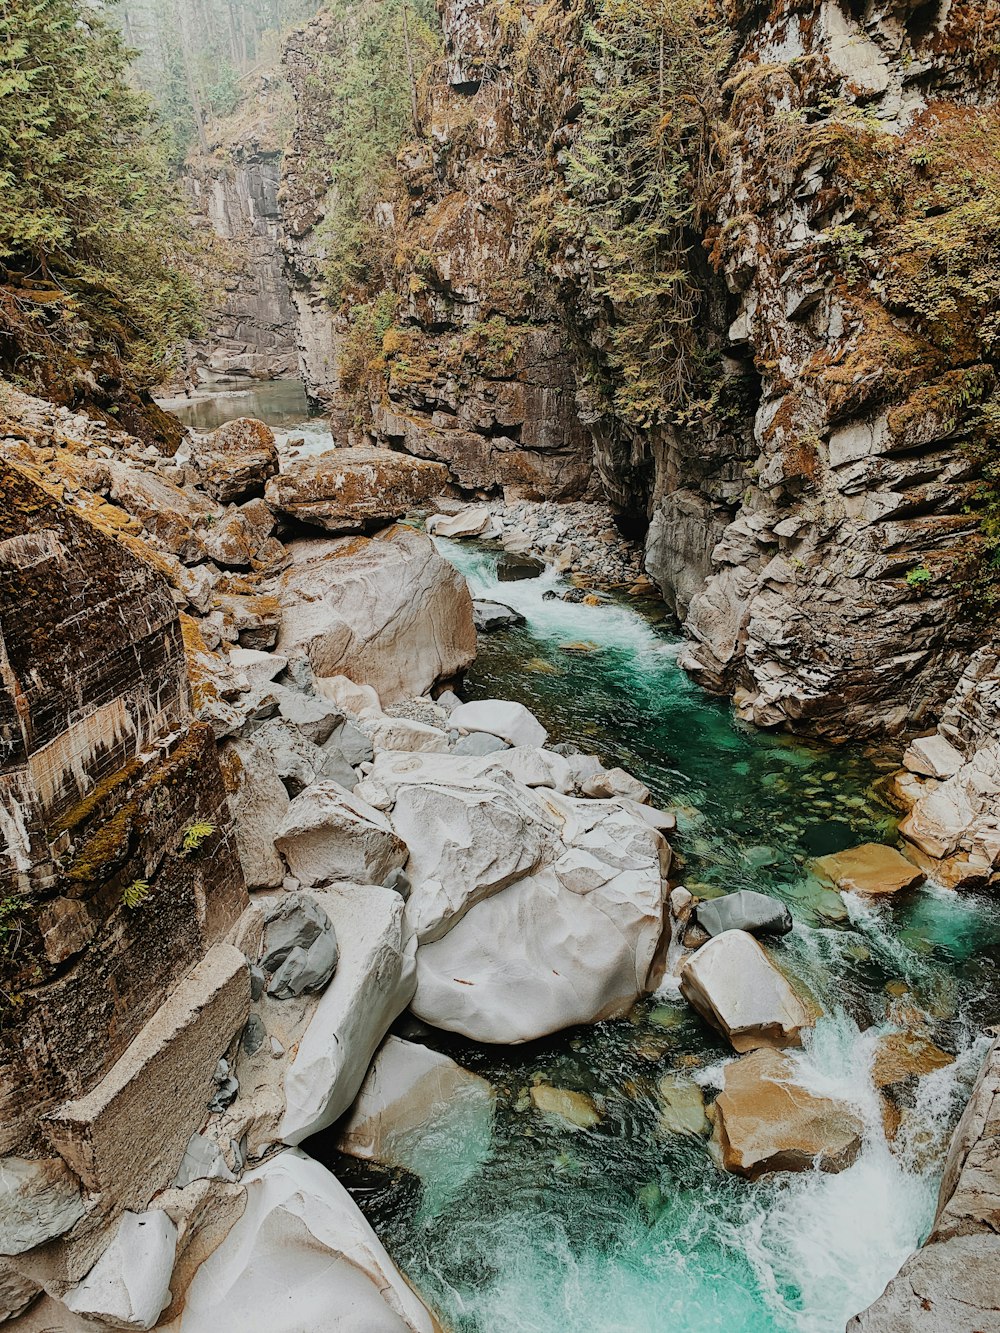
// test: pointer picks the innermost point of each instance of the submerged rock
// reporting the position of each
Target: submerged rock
(737, 988)
(757, 913)
(763, 1121)
(682, 1106)
(407, 1088)
(871, 869)
(573, 1108)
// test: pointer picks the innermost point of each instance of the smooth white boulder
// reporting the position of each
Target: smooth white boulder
(388, 611)
(408, 1088)
(933, 757)
(358, 700)
(129, 1285)
(533, 767)
(467, 523)
(540, 956)
(501, 717)
(733, 984)
(466, 842)
(301, 1258)
(329, 833)
(372, 985)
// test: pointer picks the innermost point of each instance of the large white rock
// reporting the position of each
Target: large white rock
(732, 982)
(468, 523)
(538, 957)
(933, 757)
(330, 833)
(403, 734)
(301, 1259)
(387, 611)
(129, 1285)
(466, 843)
(408, 1088)
(373, 984)
(500, 717)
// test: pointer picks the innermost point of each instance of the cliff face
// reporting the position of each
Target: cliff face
(251, 329)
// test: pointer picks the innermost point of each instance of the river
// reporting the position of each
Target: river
(519, 1224)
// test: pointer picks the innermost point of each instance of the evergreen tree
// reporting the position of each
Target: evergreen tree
(90, 226)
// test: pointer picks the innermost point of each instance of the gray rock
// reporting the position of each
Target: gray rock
(351, 744)
(38, 1201)
(298, 762)
(314, 716)
(253, 1034)
(300, 947)
(203, 1160)
(491, 616)
(258, 980)
(306, 971)
(399, 881)
(757, 913)
(478, 744)
(225, 1096)
(299, 673)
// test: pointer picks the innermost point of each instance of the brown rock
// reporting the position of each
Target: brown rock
(905, 1055)
(355, 490)
(871, 869)
(237, 459)
(765, 1122)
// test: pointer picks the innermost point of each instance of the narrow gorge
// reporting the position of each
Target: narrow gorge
(500, 666)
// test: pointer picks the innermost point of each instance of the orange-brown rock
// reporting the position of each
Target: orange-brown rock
(871, 869)
(355, 490)
(763, 1121)
(905, 1055)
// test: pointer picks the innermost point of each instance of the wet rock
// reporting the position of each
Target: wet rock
(328, 834)
(389, 611)
(681, 1106)
(500, 717)
(573, 1108)
(737, 988)
(355, 490)
(407, 1088)
(300, 1232)
(903, 1057)
(763, 1121)
(870, 869)
(757, 913)
(491, 616)
(39, 1199)
(129, 1285)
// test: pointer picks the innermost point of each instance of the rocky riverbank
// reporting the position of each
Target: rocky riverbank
(250, 823)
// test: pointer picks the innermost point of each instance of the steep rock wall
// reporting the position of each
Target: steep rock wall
(251, 329)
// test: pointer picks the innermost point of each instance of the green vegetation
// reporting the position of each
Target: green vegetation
(194, 837)
(91, 232)
(135, 895)
(11, 924)
(638, 181)
(370, 83)
(919, 577)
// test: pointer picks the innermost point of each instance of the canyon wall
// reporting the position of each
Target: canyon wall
(250, 328)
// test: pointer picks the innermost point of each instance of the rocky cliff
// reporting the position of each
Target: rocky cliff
(815, 518)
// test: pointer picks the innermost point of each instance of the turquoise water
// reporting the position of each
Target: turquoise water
(622, 1227)
(281, 403)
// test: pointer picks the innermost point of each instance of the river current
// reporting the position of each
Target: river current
(519, 1223)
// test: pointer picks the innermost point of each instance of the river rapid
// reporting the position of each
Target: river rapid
(518, 1223)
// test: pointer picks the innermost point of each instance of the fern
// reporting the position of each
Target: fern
(135, 895)
(195, 836)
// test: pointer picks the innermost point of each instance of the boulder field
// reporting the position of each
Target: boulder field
(255, 826)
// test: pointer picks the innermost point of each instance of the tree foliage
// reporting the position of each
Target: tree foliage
(638, 179)
(370, 79)
(90, 228)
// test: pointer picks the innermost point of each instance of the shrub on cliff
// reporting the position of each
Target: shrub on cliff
(90, 228)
